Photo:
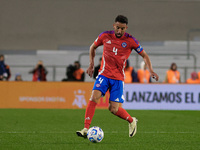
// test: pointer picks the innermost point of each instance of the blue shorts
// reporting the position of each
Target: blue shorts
(115, 87)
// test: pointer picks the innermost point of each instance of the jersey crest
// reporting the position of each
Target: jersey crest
(124, 44)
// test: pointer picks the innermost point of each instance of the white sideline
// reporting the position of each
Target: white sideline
(112, 132)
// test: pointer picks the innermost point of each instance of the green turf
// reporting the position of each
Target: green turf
(54, 129)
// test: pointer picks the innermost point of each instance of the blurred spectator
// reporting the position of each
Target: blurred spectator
(79, 73)
(130, 74)
(194, 78)
(18, 77)
(199, 75)
(5, 73)
(96, 69)
(143, 74)
(39, 72)
(69, 73)
(173, 75)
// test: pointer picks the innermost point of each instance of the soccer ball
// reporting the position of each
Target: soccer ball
(95, 134)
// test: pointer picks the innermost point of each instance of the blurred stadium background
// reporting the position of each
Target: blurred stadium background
(60, 32)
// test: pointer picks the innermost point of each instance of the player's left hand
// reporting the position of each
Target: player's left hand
(154, 76)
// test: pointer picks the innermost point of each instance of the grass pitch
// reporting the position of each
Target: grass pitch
(54, 129)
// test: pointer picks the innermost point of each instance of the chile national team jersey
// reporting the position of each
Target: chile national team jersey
(115, 53)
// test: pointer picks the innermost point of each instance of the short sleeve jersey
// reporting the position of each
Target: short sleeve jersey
(115, 53)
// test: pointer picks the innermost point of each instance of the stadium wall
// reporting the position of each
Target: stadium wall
(75, 95)
(46, 24)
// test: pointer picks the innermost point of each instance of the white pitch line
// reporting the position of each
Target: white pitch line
(111, 132)
(161, 132)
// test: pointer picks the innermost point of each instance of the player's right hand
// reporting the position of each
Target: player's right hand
(90, 71)
(154, 76)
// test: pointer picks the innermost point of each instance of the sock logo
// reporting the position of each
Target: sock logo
(79, 98)
(87, 118)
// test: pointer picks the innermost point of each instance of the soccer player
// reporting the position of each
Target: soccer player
(118, 46)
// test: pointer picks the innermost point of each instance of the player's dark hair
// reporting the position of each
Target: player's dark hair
(121, 19)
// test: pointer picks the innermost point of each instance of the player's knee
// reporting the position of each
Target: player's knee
(95, 96)
(94, 99)
(113, 109)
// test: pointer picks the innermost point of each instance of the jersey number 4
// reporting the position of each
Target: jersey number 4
(115, 50)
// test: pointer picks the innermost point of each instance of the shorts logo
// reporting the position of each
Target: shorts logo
(98, 85)
(124, 44)
(117, 100)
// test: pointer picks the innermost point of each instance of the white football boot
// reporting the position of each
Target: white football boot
(82, 133)
(133, 127)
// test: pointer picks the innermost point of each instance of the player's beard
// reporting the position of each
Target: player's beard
(118, 35)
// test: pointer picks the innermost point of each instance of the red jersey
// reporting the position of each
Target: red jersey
(115, 53)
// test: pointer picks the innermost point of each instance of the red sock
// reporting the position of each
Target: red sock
(122, 113)
(89, 113)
